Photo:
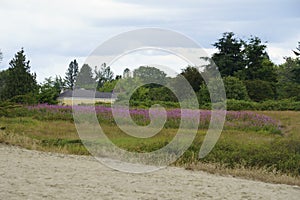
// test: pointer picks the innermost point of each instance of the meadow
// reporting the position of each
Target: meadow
(263, 145)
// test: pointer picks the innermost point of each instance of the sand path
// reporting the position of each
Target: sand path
(28, 174)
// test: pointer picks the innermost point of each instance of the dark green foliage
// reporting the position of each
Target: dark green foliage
(297, 51)
(9, 109)
(162, 94)
(229, 58)
(71, 74)
(181, 88)
(247, 60)
(259, 90)
(108, 86)
(203, 95)
(85, 78)
(103, 75)
(148, 104)
(254, 55)
(3, 82)
(50, 90)
(27, 99)
(285, 104)
(193, 76)
(153, 93)
(258, 64)
(233, 104)
(18, 80)
(140, 94)
(235, 88)
(150, 75)
(289, 79)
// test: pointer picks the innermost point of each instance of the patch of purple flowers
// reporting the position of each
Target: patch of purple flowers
(243, 120)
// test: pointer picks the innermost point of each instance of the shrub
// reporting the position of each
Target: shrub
(235, 89)
(259, 90)
(233, 104)
(28, 99)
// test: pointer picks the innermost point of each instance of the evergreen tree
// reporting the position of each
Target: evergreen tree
(288, 85)
(193, 76)
(3, 79)
(49, 91)
(229, 58)
(85, 78)
(258, 64)
(59, 83)
(71, 74)
(19, 80)
(297, 51)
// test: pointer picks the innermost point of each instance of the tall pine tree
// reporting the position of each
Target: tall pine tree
(19, 80)
(71, 74)
(85, 78)
(229, 57)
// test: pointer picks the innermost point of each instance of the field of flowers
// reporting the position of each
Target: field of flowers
(238, 120)
(250, 140)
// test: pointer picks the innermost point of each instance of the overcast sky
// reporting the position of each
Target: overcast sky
(54, 32)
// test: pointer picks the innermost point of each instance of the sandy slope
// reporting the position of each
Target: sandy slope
(28, 174)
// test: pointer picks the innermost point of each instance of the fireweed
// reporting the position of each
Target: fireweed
(238, 120)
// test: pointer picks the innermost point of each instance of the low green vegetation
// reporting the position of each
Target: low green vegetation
(275, 150)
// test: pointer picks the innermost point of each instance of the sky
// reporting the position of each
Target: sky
(55, 32)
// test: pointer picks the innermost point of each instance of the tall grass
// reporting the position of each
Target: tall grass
(249, 140)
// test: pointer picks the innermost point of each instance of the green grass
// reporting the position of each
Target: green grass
(236, 150)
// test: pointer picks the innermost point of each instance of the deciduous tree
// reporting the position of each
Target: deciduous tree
(103, 75)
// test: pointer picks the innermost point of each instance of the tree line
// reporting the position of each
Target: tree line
(246, 69)
(245, 66)
(19, 85)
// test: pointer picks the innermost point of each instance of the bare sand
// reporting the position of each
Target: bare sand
(26, 174)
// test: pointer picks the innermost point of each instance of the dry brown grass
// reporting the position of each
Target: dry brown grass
(241, 172)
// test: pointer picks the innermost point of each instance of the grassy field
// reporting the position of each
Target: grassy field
(258, 154)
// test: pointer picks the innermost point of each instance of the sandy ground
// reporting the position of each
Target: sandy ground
(28, 174)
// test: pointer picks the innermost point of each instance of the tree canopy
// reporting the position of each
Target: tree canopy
(229, 57)
(103, 75)
(18, 79)
(150, 75)
(193, 76)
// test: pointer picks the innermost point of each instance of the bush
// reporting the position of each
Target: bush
(28, 99)
(286, 104)
(233, 104)
(235, 88)
(259, 90)
(9, 109)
